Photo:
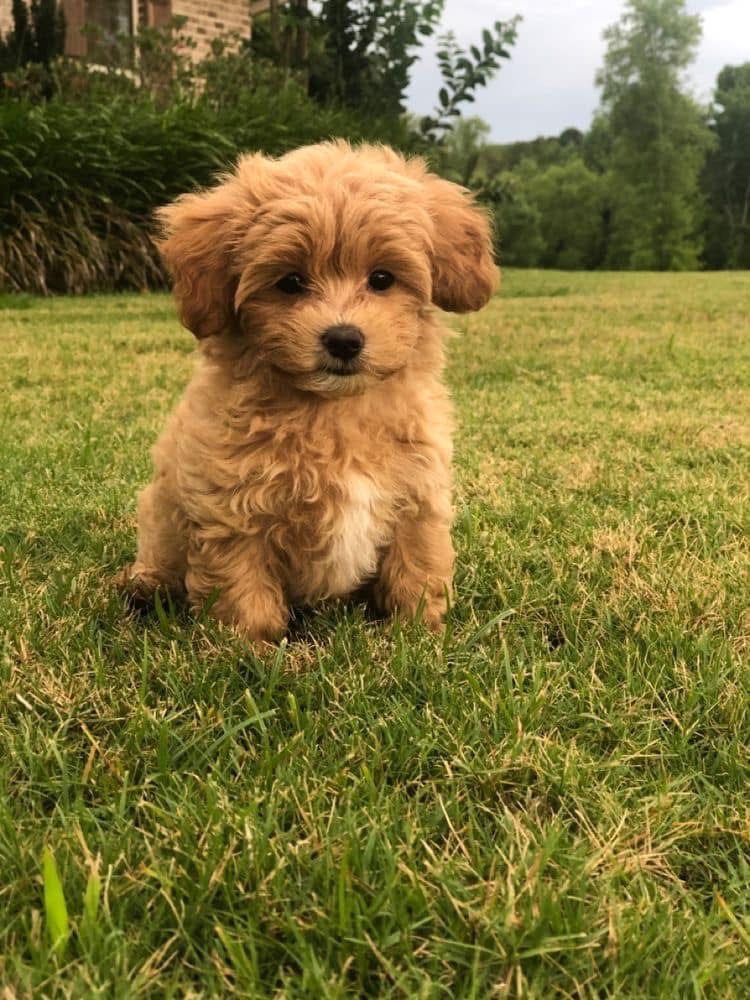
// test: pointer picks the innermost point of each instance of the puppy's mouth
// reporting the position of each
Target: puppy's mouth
(348, 378)
(339, 378)
(358, 366)
(345, 369)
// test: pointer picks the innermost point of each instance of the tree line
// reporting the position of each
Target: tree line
(656, 183)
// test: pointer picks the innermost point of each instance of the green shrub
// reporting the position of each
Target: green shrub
(517, 221)
(571, 201)
(81, 173)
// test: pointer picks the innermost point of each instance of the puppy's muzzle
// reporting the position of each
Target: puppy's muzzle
(343, 342)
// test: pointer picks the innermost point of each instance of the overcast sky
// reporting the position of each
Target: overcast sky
(548, 84)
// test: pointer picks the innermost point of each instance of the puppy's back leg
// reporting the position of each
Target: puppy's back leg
(161, 561)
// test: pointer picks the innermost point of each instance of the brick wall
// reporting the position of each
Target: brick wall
(209, 18)
(75, 21)
(6, 21)
(153, 13)
(206, 19)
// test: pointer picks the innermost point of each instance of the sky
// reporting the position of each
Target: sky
(548, 84)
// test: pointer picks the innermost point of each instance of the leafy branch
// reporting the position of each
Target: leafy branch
(464, 71)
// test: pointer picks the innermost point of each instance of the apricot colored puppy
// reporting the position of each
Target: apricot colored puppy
(310, 454)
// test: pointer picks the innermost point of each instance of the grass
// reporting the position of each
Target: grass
(553, 801)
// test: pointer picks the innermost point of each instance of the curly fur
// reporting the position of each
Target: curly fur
(279, 480)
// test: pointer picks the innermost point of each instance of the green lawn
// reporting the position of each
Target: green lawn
(551, 801)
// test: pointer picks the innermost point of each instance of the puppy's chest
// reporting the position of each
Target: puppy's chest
(327, 514)
(349, 540)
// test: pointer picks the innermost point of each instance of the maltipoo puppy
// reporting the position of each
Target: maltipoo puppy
(310, 454)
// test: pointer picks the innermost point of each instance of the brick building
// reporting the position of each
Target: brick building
(206, 19)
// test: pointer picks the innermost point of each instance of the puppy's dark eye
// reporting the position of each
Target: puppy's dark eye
(292, 284)
(380, 280)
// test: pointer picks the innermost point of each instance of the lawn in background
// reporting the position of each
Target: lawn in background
(553, 800)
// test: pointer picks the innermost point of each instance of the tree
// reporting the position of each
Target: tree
(37, 35)
(571, 137)
(549, 215)
(369, 49)
(659, 138)
(570, 200)
(289, 36)
(48, 23)
(518, 237)
(17, 48)
(544, 151)
(597, 144)
(464, 71)
(364, 51)
(458, 157)
(727, 175)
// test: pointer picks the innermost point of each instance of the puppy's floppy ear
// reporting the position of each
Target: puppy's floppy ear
(196, 244)
(464, 274)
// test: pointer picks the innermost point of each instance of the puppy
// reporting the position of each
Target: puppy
(310, 454)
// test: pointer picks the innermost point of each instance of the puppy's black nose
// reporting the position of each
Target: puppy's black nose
(344, 341)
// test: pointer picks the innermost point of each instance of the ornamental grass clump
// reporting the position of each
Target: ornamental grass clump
(82, 170)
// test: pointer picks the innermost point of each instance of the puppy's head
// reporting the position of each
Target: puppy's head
(324, 262)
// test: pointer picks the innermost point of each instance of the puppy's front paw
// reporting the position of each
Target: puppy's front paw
(138, 587)
(426, 604)
(260, 623)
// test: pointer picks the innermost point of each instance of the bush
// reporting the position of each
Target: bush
(551, 216)
(571, 201)
(518, 235)
(81, 173)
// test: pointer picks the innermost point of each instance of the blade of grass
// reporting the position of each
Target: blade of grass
(55, 909)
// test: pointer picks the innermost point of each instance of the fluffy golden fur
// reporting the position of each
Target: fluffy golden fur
(286, 476)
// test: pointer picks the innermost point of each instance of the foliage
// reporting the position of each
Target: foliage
(86, 155)
(653, 42)
(727, 176)
(518, 223)
(37, 35)
(571, 201)
(550, 208)
(457, 157)
(80, 175)
(659, 138)
(596, 147)
(631, 191)
(464, 72)
(550, 801)
(369, 49)
(289, 37)
(544, 151)
(364, 51)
